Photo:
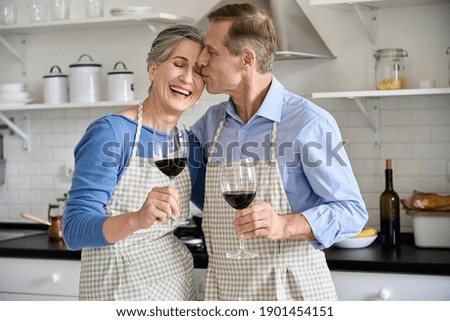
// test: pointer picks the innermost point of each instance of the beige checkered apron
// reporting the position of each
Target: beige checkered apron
(150, 264)
(284, 270)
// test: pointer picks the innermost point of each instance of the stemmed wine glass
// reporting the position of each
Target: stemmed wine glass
(170, 154)
(238, 186)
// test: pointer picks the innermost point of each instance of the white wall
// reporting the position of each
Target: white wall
(415, 131)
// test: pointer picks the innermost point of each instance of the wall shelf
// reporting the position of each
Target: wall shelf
(371, 99)
(149, 20)
(24, 133)
(382, 93)
(341, 4)
(89, 23)
(30, 107)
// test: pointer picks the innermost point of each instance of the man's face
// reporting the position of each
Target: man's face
(220, 70)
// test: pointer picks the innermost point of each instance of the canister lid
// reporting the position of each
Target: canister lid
(54, 74)
(116, 71)
(80, 63)
(392, 53)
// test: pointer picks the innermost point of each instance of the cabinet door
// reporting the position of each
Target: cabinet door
(361, 286)
(39, 277)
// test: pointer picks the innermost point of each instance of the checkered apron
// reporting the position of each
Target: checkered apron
(284, 270)
(150, 264)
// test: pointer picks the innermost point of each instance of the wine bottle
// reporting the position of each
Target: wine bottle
(389, 212)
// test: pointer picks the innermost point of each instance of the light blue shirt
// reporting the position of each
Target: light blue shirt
(314, 166)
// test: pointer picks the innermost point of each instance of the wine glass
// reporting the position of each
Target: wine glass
(238, 186)
(170, 154)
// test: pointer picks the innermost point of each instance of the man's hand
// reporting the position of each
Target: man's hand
(261, 220)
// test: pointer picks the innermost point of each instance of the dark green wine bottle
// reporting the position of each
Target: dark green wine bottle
(389, 212)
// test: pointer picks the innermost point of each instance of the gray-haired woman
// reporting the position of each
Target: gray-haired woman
(116, 211)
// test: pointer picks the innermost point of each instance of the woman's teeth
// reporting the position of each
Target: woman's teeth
(180, 90)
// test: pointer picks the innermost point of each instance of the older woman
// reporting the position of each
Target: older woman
(116, 210)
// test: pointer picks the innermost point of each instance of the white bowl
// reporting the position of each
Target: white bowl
(12, 87)
(356, 243)
(12, 97)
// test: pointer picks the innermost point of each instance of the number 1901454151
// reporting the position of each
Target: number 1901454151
(297, 311)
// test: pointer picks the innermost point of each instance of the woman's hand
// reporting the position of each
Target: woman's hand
(161, 203)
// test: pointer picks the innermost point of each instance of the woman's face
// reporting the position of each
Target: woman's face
(176, 82)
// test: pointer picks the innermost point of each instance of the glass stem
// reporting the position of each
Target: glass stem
(241, 245)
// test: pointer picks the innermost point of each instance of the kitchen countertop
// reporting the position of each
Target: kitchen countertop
(408, 259)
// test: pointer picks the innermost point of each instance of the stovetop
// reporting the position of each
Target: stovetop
(192, 236)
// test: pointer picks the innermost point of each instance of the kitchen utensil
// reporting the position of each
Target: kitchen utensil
(59, 9)
(120, 84)
(38, 10)
(56, 88)
(55, 227)
(431, 228)
(85, 81)
(35, 219)
(94, 8)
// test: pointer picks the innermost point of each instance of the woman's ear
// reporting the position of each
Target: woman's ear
(151, 70)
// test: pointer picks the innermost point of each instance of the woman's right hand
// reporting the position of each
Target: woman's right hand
(161, 203)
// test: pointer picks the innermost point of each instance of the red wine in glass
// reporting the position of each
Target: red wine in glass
(238, 185)
(170, 154)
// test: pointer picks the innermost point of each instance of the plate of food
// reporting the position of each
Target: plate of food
(361, 240)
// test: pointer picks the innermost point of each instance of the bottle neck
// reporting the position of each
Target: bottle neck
(388, 176)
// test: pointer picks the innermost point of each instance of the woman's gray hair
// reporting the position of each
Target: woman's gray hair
(168, 38)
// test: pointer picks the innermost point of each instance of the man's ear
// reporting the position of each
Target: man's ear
(248, 58)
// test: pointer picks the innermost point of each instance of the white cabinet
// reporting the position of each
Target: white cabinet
(39, 279)
(369, 286)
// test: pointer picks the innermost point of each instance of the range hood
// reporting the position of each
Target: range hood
(296, 36)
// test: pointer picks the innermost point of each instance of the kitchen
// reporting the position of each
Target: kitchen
(413, 130)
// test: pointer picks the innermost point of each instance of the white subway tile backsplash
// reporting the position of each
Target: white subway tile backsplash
(415, 133)
(429, 151)
(396, 150)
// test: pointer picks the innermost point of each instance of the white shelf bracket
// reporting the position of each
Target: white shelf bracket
(11, 49)
(17, 130)
(368, 26)
(372, 117)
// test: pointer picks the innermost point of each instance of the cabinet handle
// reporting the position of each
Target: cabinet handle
(55, 278)
(384, 294)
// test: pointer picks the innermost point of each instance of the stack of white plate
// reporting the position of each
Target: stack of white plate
(130, 11)
(14, 94)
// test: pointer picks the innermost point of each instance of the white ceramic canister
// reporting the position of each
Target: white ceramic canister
(85, 81)
(120, 84)
(56, 89)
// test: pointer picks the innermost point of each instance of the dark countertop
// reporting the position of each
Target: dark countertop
(408, 259)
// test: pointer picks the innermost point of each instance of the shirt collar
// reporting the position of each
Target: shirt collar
(271, 106)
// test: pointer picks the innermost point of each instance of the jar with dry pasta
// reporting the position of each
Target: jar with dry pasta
(390, 69)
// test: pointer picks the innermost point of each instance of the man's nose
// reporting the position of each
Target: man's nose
(202, 60)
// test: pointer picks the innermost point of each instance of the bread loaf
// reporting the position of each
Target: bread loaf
(427, 201)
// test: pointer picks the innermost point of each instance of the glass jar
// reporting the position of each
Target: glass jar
(390, 69)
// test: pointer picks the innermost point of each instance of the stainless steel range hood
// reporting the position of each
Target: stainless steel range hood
(296, 36)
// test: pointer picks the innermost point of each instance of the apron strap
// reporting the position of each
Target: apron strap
(139, 127)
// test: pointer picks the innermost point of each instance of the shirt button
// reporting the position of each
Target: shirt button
(243, 131)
